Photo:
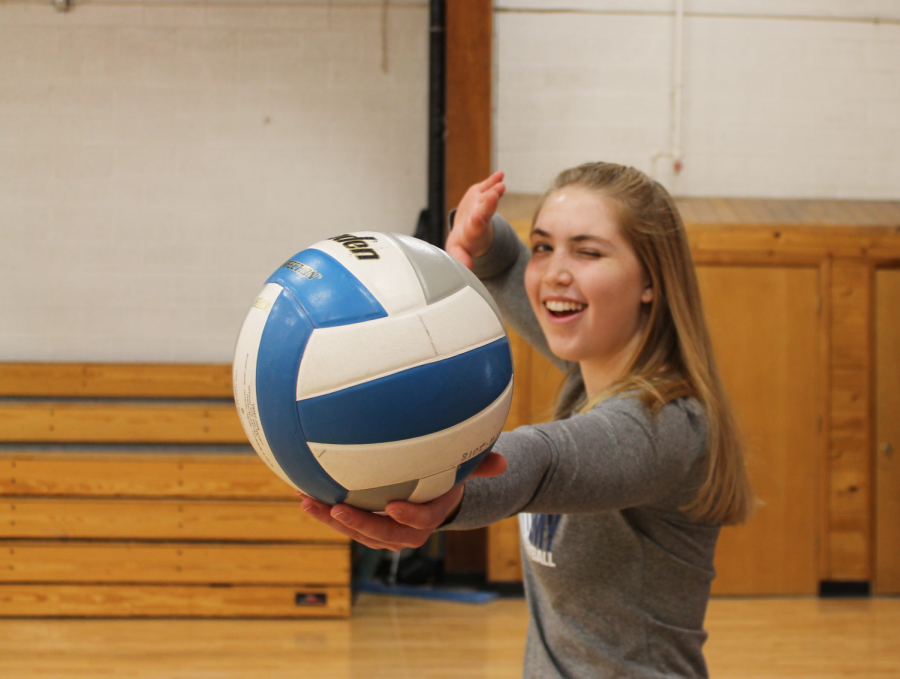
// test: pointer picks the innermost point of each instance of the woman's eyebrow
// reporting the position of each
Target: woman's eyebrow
(540, 233)
(588, 237)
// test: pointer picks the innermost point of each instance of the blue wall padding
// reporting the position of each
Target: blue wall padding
(414, 402)
(281, 346)
(337, 298)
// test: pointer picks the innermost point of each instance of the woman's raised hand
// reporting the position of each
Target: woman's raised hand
(406, 524)
(472, 232)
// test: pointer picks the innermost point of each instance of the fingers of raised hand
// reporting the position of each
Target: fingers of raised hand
(494, 179)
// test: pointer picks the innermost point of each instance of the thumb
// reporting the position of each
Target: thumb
(493, 464)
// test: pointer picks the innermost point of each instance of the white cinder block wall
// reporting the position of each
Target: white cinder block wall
(782, 98)
(159, 161)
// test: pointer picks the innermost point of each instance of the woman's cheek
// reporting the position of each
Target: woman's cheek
(533, 286)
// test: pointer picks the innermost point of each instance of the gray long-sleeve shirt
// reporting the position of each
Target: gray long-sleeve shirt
(617, 578)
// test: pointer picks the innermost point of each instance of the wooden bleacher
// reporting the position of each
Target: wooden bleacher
(131, 490)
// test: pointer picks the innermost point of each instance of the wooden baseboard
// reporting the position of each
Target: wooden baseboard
(136, 601)
(194, 563)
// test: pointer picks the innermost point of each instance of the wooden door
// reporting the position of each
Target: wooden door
(887, 425)
(766, 329)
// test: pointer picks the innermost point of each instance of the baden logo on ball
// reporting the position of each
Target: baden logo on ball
(373, 367)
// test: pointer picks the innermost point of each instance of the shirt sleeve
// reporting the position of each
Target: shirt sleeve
(615, 456)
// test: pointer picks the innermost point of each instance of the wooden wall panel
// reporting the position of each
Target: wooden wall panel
(787, 243)
(135, 601)
(887, 422)
(520, 408)
(103, 519)
(120, 422)
(131, 380)
(546, 380)
(122, 474)
(173, 563)
(765, 327)
(469, 69)
(779, 211)
(849, 522)
(504, 558)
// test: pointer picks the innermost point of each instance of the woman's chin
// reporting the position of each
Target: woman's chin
(566, 353)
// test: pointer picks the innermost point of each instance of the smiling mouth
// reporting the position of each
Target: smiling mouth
(560, 309)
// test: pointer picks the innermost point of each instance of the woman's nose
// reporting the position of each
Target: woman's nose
(558, 273)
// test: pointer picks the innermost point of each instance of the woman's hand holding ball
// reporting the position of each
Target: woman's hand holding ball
(405, 524)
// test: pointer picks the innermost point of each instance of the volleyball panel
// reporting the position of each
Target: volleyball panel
(336, 359)
(280, 348)
(438, 273)
(375, 499)
(466, 468)
(474, 283)
(362, 466)
(329, 294)
(433, 486)
(410, 403)
(422, 490)
(385, 271)
(244, 375)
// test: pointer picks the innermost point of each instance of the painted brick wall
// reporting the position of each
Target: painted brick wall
(157, 162)
(782, 98)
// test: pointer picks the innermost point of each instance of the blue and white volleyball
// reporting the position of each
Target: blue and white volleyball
(373, 367)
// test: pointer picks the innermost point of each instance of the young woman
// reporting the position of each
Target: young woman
(620, 498)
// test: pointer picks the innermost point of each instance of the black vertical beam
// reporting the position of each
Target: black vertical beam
(431, 220)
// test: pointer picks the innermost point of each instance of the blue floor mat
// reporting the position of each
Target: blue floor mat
(465, 596)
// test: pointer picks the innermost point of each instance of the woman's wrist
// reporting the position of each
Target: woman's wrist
(454, 510)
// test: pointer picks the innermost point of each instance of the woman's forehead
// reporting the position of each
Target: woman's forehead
(578, 212)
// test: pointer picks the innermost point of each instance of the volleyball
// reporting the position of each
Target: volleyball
(373, 367)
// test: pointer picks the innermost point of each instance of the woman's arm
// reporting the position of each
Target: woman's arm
(614, 457)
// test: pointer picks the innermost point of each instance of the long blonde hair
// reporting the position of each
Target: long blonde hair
(674, 358)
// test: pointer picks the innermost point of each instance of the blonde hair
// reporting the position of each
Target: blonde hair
(674, 358)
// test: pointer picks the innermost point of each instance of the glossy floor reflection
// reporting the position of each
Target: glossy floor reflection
(416, 639)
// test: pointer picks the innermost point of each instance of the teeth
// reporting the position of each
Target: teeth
(554, 305)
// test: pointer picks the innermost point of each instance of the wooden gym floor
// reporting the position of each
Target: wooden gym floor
(395, 638)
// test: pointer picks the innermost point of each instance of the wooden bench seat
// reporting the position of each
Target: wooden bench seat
(131, 490)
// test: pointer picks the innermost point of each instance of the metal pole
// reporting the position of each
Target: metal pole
(431, 220)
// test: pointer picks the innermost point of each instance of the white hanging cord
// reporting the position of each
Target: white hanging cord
(384, 36)
(675, 152)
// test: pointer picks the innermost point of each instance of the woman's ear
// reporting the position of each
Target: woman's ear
(647, 294)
